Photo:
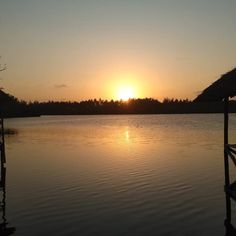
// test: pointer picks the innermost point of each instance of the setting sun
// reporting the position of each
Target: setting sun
(125, 93)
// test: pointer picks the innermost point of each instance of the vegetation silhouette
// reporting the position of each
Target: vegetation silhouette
(209, 101)
(12, 107)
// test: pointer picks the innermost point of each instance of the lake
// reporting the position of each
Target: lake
(117, 175)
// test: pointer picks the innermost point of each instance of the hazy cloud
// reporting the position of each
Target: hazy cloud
(61, 86)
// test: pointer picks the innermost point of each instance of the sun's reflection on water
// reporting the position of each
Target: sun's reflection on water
(127, 135)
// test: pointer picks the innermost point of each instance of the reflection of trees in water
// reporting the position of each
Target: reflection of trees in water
(4, 229)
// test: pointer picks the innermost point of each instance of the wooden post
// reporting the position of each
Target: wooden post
(2, 125)
(226, 160)
(3, 158)
(226, 121)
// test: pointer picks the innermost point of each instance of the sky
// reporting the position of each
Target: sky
(86, 49)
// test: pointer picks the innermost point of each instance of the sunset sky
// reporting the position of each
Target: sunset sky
(81, 49)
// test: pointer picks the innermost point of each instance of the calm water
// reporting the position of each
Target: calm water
(117, 175)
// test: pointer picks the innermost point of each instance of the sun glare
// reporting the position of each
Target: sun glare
(125, 93)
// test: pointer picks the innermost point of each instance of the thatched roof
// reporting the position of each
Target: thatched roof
(220, 89)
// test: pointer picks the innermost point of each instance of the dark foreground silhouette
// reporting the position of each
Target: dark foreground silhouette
(12, 107)
(4, 228)
(222, 88)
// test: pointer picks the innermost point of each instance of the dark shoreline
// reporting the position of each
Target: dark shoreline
(11, 107)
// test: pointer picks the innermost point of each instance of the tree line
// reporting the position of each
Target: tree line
(12, 107)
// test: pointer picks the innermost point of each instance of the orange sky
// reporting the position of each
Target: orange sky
(67, 50)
